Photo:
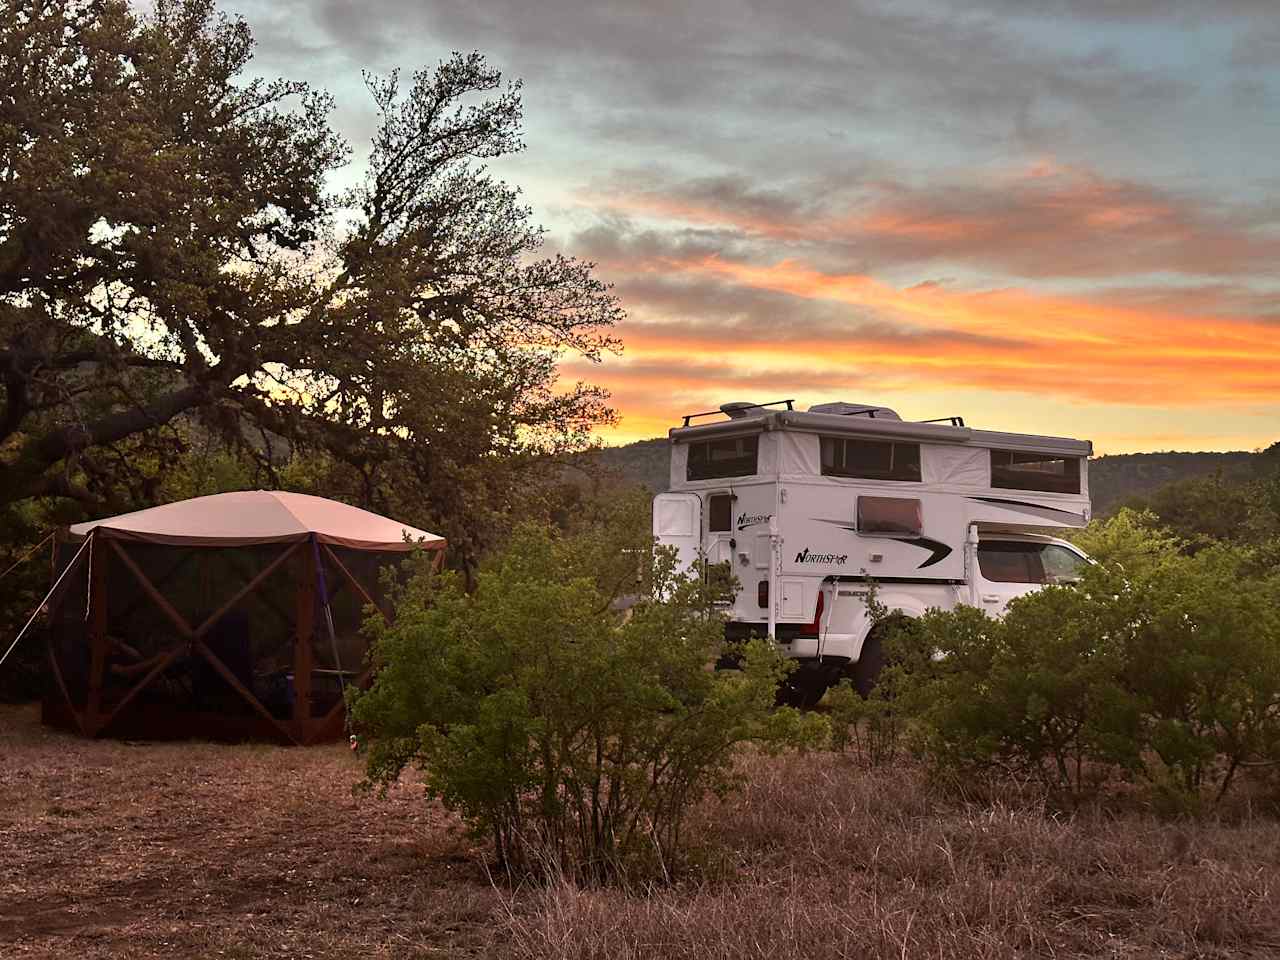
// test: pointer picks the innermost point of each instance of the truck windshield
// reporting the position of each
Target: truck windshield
(1016, 561)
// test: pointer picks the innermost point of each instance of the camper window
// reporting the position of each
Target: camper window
(720, 512)
(730, 457)
(1018, 470)
(870, 459)
(893, 515)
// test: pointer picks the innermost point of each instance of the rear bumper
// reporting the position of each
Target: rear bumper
(801, 648)
(839, 646)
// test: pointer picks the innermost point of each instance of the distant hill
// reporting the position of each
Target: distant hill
(1120, 477)
(1112, 479)
(646, 462)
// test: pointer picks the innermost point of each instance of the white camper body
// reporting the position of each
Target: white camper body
(810, 507)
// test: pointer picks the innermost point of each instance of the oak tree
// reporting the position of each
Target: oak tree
(172, 258)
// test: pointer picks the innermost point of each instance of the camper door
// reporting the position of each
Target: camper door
(677, 522)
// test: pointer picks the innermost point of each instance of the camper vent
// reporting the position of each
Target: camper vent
(842, 409)
(738, 409)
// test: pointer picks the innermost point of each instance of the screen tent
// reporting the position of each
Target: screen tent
(232, 616)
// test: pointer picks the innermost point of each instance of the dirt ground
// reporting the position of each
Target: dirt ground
(111, 849)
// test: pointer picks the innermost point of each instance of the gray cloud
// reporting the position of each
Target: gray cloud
(670, 305)
(1028, 224)
(1103, 11)
(792, 125)
(713, 77)
(616, 243)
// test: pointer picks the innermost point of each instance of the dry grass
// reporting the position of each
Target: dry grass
(199, 850)
(831, 861)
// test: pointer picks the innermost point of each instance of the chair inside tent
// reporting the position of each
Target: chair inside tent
(229, 617)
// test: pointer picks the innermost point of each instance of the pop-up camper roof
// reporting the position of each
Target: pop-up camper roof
(868, 420)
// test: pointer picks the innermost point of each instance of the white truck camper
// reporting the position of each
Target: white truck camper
(810, 507)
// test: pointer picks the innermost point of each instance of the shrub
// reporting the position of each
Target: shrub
(1205, 668)
(1164, 667)
(575, 736)
(870, 724)
(868, 728)
(1034, 693)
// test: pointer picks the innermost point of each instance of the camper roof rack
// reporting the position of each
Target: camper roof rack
(954, 421)
(734, 410)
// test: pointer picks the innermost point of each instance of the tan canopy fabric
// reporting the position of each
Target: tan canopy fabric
(261, 516)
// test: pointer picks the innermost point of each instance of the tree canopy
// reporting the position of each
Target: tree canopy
(172, 258)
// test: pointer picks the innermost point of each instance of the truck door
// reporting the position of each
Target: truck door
(1013, 568)
(1006, 569)
(677, 522)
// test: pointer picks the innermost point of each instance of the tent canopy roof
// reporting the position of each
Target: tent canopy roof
(261, 516)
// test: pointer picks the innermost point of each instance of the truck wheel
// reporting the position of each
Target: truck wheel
(729, 661)
(804, 688)
(867, 670)
(810, 681)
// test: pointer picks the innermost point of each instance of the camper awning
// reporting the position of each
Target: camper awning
(261, 516)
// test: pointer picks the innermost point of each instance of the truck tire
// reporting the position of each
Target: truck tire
(804, 688)
(867, 670)
(810, 682)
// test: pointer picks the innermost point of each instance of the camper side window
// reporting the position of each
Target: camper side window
(719, 513)
(1019, 470)
(870, 459)
(893, 515)
(730, 457)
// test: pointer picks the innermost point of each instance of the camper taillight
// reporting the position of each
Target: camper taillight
(816, 626)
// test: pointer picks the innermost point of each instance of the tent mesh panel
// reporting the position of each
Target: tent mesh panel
(254, 639)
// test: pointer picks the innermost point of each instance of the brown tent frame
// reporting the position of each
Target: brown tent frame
(94, 719)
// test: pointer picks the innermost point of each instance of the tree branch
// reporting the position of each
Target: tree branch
(26, 476)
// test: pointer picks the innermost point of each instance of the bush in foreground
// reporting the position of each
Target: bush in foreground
(1156, 665)
(573, 735)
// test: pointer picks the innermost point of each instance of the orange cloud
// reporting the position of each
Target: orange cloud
(1044, 220)
(756, 311)
(1012, 312)
(1036, 344)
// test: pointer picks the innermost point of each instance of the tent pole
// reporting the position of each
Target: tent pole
(97, 613)
(304, 634)
(328, 615)
(359, 587)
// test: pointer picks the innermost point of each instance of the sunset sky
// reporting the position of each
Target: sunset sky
(1046, 216)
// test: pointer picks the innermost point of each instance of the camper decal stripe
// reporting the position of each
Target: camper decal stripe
(939, 551)
(1027, 506)
(842, 524)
